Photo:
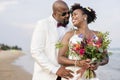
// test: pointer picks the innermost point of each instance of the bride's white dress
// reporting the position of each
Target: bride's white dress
(73, 40)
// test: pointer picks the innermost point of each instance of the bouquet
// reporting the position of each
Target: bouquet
(94, 49)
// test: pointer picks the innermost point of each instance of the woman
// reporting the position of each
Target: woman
(81, 17)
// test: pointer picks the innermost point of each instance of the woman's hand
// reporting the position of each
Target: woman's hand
(94, 66)
(83, 63)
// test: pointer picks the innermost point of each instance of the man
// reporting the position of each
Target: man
(45, 36)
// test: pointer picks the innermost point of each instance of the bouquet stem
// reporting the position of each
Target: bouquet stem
(88, 74)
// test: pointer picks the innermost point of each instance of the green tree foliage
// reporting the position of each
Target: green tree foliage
(6, 47)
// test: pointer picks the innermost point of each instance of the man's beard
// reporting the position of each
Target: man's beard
(65, 22)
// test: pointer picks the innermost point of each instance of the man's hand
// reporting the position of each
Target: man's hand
(81, 71)
(64, 73)
(94, 66)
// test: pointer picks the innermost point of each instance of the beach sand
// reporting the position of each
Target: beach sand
(10, 71)
(16, 65)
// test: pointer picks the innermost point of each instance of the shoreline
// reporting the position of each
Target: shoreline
(10, 71)
(16, 65)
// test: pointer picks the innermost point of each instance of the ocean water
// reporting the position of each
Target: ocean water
(110, 71)
(26, 62)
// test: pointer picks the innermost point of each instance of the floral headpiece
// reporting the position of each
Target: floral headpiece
(88, 9)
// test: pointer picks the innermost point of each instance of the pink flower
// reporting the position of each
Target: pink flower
(82, 51)
(98, 44)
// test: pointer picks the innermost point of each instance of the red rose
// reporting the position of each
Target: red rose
(82, 51)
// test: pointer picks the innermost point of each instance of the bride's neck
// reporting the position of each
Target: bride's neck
(83, 30)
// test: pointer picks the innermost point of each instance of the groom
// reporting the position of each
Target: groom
(45, 36)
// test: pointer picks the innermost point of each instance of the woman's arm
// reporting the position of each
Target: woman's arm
(105, 60)
(62, 57)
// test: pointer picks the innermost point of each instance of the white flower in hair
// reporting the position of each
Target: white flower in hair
(87, 8)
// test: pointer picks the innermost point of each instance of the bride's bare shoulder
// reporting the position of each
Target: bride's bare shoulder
(69, 34)
(96, 32)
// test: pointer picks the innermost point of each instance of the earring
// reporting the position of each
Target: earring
(85, 19)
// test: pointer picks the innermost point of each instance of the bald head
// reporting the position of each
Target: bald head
(61, 12)
(59, 4)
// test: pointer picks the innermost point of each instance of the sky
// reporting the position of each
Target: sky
(19, 17)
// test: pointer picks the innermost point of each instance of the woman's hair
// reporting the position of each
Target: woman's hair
(87, 10)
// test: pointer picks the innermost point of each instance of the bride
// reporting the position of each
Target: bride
(81, 17)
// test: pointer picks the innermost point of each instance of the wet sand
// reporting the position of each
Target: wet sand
(10, 71)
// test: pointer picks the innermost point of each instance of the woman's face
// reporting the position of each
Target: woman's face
(77, 17)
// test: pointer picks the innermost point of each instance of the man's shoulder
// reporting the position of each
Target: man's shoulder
(46, 21)
(43, 23)
(43, 20)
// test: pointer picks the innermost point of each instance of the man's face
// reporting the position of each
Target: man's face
(63, 15)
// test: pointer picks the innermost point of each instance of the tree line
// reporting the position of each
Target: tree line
(6, 47)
